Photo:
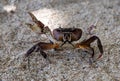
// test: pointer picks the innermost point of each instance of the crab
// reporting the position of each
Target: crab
(63, 35)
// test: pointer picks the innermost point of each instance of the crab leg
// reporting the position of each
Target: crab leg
(40, 47)
(92, 27)
(86, 45)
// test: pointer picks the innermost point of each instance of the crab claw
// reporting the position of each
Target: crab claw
(35, 28)
(38, 26)
(39, 23)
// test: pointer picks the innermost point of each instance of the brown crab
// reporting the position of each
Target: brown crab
(64, 35)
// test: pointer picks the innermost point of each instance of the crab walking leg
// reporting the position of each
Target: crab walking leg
(99, 44)
(92, 27)
(86, 45)
(40, 47)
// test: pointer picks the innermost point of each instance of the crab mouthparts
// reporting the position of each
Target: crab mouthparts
(67, 39)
